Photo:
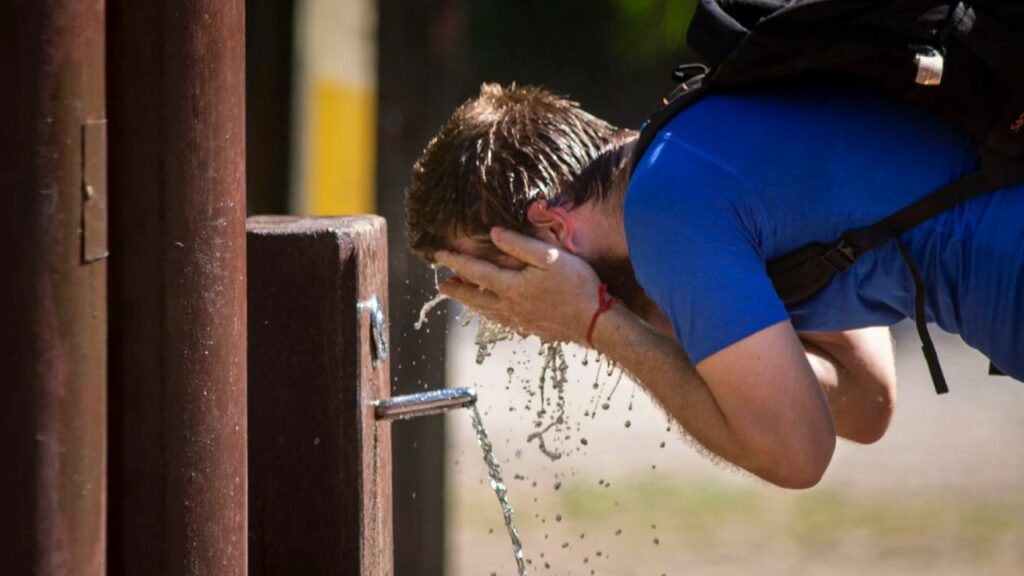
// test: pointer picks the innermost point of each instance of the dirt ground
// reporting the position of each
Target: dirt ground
(942, 493)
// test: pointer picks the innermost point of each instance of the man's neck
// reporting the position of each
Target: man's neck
(600, 231)
(601, 238)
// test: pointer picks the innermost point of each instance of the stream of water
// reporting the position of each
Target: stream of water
(498, 484)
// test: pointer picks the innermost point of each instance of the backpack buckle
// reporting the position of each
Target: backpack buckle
(686, 72)
(841, 256)
(930, 63)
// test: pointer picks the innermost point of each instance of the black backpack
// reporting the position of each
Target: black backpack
(962, 60)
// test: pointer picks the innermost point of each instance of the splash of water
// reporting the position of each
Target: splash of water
(487, 335)
(427, 308)
(437, 299)
(550, 414)
(557, 369)
(539, 437)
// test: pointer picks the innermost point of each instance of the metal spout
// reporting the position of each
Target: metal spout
(424, 403)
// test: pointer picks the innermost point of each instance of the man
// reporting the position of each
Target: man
(530, 202)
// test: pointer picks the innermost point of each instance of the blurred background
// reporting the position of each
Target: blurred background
(342, 95)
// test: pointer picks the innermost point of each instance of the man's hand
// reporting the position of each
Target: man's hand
(553, 296)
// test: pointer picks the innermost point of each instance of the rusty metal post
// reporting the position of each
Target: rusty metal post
(319, 461)
(178, 319)
(53, 316)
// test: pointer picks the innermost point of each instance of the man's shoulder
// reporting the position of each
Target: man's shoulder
(674, 176)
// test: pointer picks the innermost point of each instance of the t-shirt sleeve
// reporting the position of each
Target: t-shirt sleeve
(692, 237)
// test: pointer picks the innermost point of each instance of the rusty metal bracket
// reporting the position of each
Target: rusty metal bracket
(378, 327)
(94, 191)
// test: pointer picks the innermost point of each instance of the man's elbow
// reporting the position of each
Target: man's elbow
(799, 479)
(873, 421)
(870, 432)
(799, 468)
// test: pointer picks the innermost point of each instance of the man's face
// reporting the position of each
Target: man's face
(617, 273)
(481, 247)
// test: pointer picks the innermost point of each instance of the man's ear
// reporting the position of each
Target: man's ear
(553, 224)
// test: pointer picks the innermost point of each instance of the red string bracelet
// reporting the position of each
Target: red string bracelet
(605, 302)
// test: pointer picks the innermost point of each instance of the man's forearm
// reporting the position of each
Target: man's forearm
(660, 365)
(761, 407)
(856, 371)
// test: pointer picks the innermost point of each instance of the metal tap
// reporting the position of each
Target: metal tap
(424, 403)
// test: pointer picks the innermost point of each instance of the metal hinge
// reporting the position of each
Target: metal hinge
(94, 191)
(378, 328)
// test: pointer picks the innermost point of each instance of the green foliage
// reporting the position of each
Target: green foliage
(649, 28)
(613, 56)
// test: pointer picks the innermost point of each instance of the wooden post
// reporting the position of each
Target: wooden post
(319, 462)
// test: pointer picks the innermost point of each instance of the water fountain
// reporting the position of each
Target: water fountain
(319, 403)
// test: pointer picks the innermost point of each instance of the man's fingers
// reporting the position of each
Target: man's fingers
(479, 301)
(479, 272)
(525, 248)
(472, 296)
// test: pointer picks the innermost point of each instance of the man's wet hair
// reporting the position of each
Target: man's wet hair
(497, 153)
(607, 176)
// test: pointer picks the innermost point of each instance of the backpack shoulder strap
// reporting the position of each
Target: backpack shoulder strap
(800, 274)
(804, 272)
(684, 96)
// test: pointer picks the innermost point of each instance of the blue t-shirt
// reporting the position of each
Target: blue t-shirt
(739, 179)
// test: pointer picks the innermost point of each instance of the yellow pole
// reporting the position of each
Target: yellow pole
(337, 99)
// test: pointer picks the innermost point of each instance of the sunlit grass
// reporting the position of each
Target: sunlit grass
(809, 520)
